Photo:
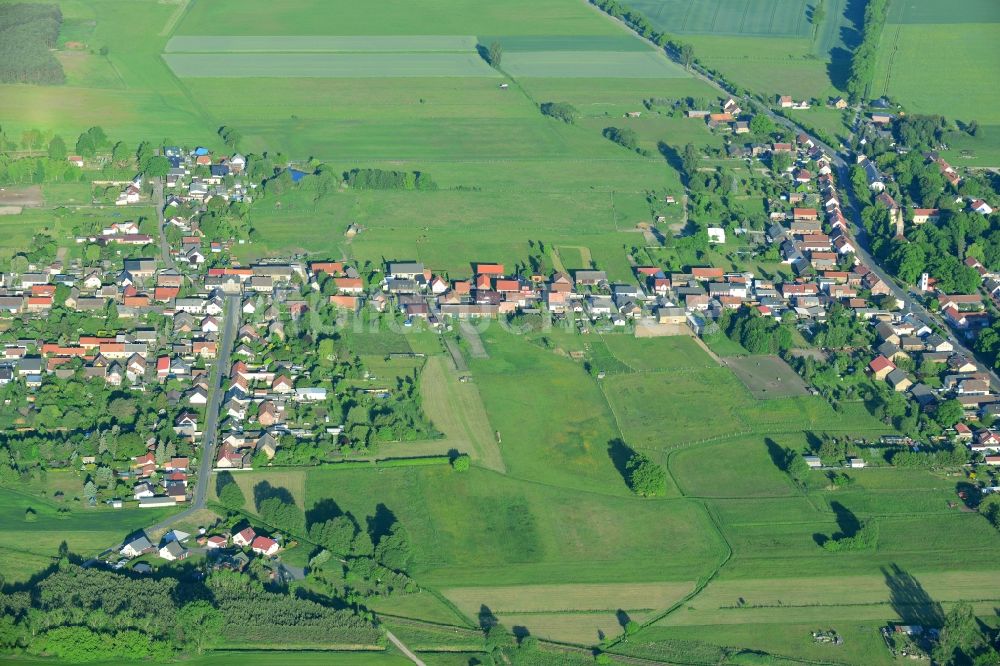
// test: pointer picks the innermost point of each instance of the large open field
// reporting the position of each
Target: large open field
(937, 58)
(773, 47)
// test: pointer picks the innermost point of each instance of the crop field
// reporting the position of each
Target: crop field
(434, 17)
(767, 377)
(327, 65)
(593, 597)
(701, 405)
(456, 409)
(836, 598)
(771, 46)
(699, 473)
(527, 392)
(266, 657)
(908, 70)
(319, 43)
(728, 17)
(863, 643)
(592, 64)
(579, 628)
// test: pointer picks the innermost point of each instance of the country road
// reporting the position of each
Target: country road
(402, 648)
(231, 324)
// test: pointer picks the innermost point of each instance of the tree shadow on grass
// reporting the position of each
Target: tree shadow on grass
(380, 523)
(322, 511)
(620, 454)
(673, 158)
(779, 456)
(223, 479)
(265, 491)
(969, 493)
(910, 600)
(487, 620)
(847, 522)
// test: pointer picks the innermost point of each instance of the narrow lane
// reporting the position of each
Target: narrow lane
(231, 324)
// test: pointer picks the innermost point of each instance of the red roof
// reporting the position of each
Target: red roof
(248, 534)
(348, 283)
(263, 543)
(489, 269)
(880, 363)
(508, 285)
(166, 293)
(330, 267)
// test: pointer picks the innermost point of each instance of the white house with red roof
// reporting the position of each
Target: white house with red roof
(244, 538)
(263, 545)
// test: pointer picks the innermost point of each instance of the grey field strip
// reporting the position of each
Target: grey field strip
(320, 44)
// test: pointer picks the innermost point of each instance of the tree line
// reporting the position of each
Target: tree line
(381, 179)
(80, 615)
(27, 33)
(865, 56)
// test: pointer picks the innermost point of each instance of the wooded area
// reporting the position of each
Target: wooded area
(27, 33)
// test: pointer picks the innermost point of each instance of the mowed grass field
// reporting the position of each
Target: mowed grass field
(767, 377)
(456, 409)
(667, 393)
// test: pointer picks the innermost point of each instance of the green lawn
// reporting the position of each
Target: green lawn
(527, 392)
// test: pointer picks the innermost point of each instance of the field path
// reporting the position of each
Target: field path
(402, 648)
(471, 335)
(175, 18)
(456, 409)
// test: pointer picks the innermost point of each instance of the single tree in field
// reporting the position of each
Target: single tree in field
(231, 136)
(496, 54)
(645, 477)
(689, 160)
